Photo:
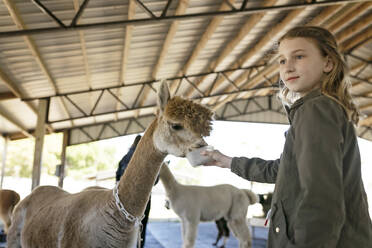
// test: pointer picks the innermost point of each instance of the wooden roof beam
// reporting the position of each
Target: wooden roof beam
(365, 106)
(9, 118)
(10, 84)
(7, 96)
(355, 10)
(366, 121)
(213, 25)
(88, 75)
(357, 40)
(125, 52)
(19, 94)
(354, 28)
(30, 43)
(181, 9)
(246, 28)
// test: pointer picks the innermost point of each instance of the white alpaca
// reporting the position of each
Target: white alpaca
(198, 203)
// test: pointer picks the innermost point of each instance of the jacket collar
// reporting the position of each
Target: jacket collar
(292, 109)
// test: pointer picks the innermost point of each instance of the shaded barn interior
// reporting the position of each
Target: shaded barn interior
(90, 69)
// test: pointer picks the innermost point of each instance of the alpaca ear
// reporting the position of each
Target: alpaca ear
(163, 95)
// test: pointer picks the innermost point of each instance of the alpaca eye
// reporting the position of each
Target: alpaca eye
(176, 127)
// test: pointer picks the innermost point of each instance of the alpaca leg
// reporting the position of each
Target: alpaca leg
(191, 229)
(14, 234)
(14, 239)
(240, 229)
(183, 229)
(7, 224)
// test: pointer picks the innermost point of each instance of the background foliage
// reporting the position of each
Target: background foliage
(82, 160)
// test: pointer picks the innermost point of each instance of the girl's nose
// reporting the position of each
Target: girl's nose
(289, 66)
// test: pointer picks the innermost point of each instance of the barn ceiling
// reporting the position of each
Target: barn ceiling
(97, 64)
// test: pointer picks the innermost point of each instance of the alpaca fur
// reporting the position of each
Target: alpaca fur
(221, 224)
(52, 217)
(8, 200)
(198, 203)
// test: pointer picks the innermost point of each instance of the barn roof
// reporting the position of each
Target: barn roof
(97, 64)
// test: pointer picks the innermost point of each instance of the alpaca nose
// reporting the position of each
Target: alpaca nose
(197, 145)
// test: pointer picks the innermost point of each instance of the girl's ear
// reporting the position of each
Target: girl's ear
(328, 66)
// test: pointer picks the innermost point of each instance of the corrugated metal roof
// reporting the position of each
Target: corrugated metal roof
(100, 69)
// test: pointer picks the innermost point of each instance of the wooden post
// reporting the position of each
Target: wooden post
(39, 142)
(3, 161)
(66, 135)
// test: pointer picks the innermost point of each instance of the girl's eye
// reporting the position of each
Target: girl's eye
(176, 127)
(282, 61)
(299, 56)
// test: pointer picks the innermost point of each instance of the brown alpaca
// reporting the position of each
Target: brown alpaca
(51, 217)
(8, 200)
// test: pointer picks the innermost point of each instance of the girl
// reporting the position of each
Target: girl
(319, 198)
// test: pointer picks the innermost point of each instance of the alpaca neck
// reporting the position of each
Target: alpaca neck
(139, 177)
(169, 181)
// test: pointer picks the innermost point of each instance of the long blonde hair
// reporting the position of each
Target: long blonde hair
(336, 84)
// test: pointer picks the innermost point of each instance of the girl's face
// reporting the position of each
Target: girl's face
(302, 65)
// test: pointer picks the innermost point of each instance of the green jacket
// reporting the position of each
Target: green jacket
(319, 199)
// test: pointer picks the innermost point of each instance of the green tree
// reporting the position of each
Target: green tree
(86, 159)
(19, 158)
(82, 159)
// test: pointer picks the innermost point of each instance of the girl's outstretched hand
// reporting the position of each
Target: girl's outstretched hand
(217, 159)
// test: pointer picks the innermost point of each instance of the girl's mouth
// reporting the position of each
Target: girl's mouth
(292, 78)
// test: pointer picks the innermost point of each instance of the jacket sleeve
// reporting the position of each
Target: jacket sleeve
(255, 169)
(318, 153)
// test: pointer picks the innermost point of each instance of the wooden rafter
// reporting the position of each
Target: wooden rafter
(358, 68)
(366, 121)
(213, 25)
(121, 80)
(181, 9)
(352, 12)
(18, 93)
(349, 31)
(127, 39)
(365, 106)
(246, 28)
(125, 52)
(31, 45)
(7, 96)
(88, 74)
(15, 123)
(10, 84)
(358, 40)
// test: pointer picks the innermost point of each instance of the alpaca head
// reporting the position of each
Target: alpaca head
(182, 124)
